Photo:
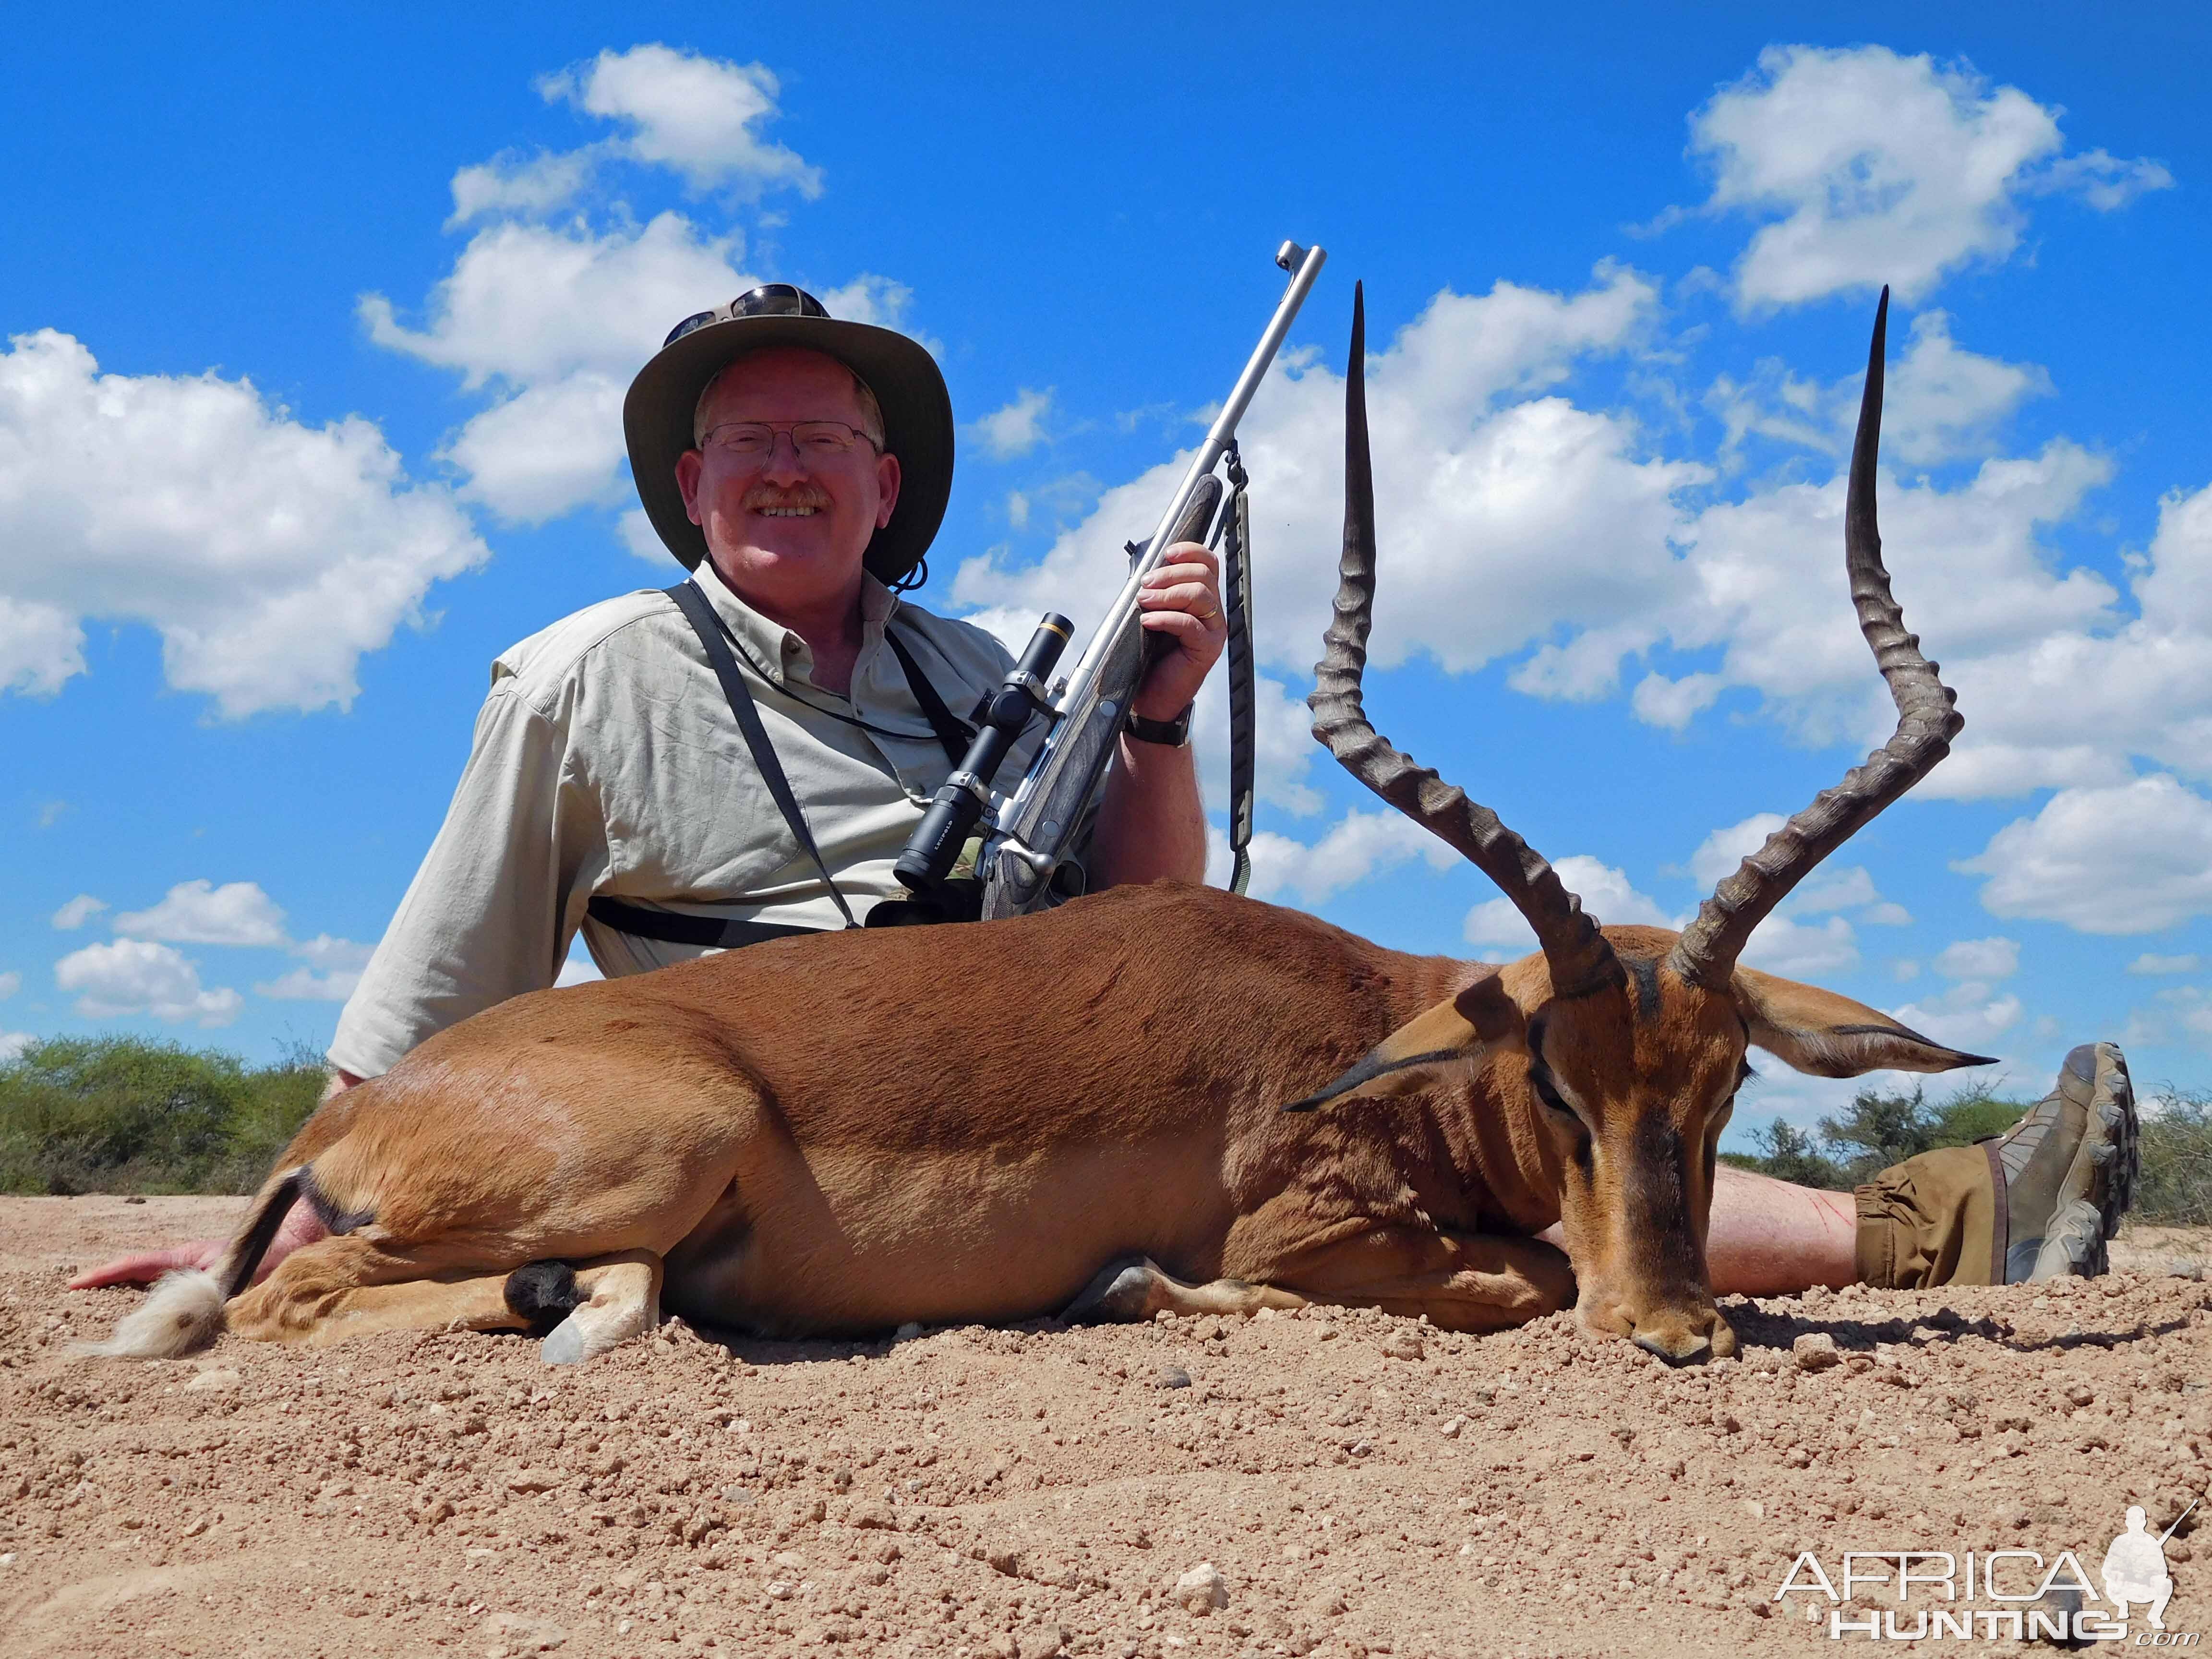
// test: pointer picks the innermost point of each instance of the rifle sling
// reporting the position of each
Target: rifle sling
(674, 927)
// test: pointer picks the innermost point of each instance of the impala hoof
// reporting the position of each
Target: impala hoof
(1122, 1294)
(566, 1347)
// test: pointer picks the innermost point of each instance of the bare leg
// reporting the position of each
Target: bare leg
(1771, 1238)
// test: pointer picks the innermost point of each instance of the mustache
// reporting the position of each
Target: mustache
(763, 495)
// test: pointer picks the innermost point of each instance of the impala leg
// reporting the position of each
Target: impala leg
(621, 1299)
(1137, 1287)
(1461, 1281)
(345, 1286)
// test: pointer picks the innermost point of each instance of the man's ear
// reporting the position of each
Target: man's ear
(1828, 1035)
(1479, 1019)
(689, 466)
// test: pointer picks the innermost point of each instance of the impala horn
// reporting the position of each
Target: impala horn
(1926, 722)
(1580, 959)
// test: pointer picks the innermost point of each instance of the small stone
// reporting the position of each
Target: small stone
(520, 1634)
(908, 1332)
(1040, 1643)
(1450, 1430)
(1202, 1589)
(532, 1480)
(1006, 1561)
(2182, 1269)
(1815, 1350)
(1404, 1345)
(778, 1590)
(1173, 1376)
(223, 1378)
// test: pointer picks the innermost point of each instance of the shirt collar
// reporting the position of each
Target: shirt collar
(776, 648)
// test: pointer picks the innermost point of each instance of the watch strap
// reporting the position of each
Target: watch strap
(1172, 734)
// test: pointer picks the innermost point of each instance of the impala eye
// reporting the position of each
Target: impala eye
(1548, 1092)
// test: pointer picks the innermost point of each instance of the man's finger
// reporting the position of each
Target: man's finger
(1194, 599)
(149, 1264)
(1193, 635)
(1186, 562)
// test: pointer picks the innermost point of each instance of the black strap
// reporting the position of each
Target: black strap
(717, 933)
(700, 615)
(1236, 582)
(953, 734)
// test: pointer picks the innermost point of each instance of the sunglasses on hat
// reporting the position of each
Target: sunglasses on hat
(768, 300)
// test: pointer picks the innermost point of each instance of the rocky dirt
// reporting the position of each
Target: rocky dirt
(1337, 1485)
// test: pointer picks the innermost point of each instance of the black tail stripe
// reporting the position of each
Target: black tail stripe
(261, 1229)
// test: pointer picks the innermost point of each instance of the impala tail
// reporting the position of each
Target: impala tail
(183, 1311)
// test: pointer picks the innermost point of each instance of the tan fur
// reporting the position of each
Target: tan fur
(845, 1133)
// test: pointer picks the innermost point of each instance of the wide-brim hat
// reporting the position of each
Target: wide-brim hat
(657, 413)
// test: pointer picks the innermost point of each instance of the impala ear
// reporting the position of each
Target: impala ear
(1828, 1035)
(1479, 1019)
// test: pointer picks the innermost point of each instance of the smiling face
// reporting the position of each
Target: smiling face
(788, 533)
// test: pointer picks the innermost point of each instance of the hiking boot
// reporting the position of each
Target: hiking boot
(2066, 1172)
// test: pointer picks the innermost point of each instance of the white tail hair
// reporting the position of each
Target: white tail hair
(182, 1312)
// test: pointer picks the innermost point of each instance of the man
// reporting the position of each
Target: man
(800, 465)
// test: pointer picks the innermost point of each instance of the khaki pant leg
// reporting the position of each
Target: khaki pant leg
(1934, 1219)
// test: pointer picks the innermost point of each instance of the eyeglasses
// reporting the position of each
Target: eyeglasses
(753, 441)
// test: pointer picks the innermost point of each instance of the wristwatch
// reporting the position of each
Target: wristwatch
(1172, 734)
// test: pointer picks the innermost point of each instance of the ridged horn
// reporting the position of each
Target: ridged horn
(1926, 722)
(1580, 959)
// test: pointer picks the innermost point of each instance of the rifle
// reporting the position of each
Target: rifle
(1031, 832)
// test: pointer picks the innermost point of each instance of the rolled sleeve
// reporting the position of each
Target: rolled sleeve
(490, 912)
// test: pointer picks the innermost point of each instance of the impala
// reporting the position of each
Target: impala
(1207, 1104)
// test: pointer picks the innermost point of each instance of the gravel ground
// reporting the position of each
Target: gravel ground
(1338, 1485)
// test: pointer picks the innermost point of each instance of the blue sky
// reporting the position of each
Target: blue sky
(318, 324)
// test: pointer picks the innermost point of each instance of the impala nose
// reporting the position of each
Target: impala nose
(1677, 1344)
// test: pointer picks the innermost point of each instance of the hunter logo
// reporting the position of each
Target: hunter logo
(2032, 1597)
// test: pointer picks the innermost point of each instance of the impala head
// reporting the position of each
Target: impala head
(1629, 1043)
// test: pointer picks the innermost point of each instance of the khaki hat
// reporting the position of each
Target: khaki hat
(657, 415)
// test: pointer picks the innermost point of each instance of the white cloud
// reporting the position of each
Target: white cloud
(2102, 181)
(1607, 894)
(1018, 428)
(1979, 958)
(340, 960)
(137, 976)
(2181, 1013)
(1970, 1014)
(578, 969)
(1500, 519)
(78, 911)
(2128, 859)
(1941, 401)
(269, 555)
(11, 983)
(699, 116)
(1874, 167)
(554, 322)
(12, 1044)
(200, 913)
(2151, 963)
(524, 185)
(304, 985)
(1360, 845)
(1719, 853)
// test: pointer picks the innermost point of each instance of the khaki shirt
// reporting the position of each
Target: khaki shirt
(606, 762)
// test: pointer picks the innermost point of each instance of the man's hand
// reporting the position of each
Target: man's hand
(1181, 601)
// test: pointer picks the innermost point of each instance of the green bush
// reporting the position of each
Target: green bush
(122, 1114)
(2177, 1161)
(1877, 1131)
